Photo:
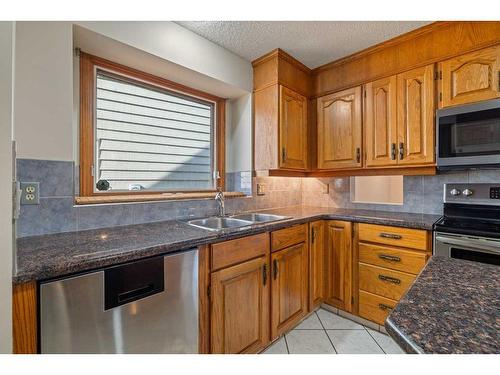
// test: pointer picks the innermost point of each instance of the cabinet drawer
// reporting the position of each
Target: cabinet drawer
(404, 237)
(393, 258)
(375, 308)
(239, 250)
(289, 236)
(384, 282)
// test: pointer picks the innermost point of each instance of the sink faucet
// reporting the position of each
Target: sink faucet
(219, 198)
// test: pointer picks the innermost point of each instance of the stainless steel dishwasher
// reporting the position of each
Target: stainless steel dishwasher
(146, 306)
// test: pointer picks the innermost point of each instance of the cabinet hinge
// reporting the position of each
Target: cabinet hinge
(436, 75)
(440, 96)
(440, 74)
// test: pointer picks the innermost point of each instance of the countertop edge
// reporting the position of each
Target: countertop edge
(401, 339)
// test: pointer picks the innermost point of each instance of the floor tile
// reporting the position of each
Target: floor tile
(354, 342)
(332, 321)
(309, 342)
(279, 347)
(311, 322)
(387, 343)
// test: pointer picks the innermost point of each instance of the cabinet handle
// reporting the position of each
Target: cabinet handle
(391, 236)
(283, 154)
(384, 307)
(264, 274)
(389, 279)
(313, 234)
(389, 257)
(275, 269)
(358, 155)
(393, 151)
(401, 151)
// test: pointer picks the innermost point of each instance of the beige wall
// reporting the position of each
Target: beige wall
(6, 45)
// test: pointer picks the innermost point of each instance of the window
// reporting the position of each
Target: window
(143, 134)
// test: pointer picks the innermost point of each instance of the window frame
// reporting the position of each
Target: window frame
(89, 64)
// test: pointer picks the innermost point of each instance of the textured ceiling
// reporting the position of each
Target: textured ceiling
(313, 43)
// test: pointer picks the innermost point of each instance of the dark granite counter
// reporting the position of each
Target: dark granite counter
(453, 307)
(48, 256)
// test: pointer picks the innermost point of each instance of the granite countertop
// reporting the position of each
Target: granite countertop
(452, 307)
(54, 255)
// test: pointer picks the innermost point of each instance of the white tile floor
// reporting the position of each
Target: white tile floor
(324, 332)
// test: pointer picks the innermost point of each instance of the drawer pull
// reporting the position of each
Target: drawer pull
(389, 279)
(392, 236)
(264, 274)
(384, 307)
(389, 257)
(275, 269)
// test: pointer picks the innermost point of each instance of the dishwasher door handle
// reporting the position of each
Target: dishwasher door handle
(134, 294)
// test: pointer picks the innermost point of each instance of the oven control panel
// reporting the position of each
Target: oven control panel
(472, 193)
(494, 192)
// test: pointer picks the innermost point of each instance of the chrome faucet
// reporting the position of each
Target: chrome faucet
(219, 198)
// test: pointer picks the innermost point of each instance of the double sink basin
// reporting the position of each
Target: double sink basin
(216, 223)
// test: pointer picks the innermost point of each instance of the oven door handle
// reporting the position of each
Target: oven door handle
(470, 243)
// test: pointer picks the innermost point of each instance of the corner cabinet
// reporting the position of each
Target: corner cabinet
(317, 258)
(340, 130)
(281, 89)
(339, 262)
(470, 78)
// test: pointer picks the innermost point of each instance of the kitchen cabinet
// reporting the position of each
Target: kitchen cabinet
(389, 259)
(380, 122)
(339, 125)
(469, 78)
(339, 265)
(316, 264)
(416, 108)
(281, 90)
(289, 283)
(239, 295)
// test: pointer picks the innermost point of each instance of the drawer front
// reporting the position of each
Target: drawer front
(232, 252)
(288, 237)
(384, 282)
(393, 258)
(404, 237)
(375, 308)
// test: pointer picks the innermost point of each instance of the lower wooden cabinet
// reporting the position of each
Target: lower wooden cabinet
(240, 307)
(339, 265)
(316, 264)
(289, 287)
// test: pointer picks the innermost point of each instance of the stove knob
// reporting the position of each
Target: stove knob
(455, 192)
(467, 192)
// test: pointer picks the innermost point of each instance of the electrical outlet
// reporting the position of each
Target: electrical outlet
(261, 190)
(326, 189)
(30, 193)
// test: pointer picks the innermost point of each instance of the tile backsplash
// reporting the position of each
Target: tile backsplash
(59, 184)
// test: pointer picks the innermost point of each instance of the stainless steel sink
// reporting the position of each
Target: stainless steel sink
(219, 223)
(259, 218)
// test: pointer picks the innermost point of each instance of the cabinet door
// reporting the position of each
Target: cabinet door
(316, 264)
(416, 116)
(470, 78)
(339, 130)
(292, 129)
(339, 264)
(289, 288)
(381, 122)
(240, 308)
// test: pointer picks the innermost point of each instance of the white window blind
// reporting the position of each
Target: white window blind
(150, 138)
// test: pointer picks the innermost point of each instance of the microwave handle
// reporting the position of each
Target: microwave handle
(471, 243)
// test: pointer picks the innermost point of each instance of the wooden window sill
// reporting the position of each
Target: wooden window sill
(97, 199)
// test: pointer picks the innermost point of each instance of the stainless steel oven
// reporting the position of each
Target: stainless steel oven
(474, 248)
(468, 136)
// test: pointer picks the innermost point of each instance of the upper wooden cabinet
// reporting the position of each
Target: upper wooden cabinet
(470, 78)
(380, 122)
(339, 264)
(281, 90)
(416, 108)
(339, 130)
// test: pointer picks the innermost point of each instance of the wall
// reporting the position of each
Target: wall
(421, 194)
(6, 66)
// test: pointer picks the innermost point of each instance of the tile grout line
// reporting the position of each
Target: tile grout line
(376, 342)
(286, 344)
(326, 333)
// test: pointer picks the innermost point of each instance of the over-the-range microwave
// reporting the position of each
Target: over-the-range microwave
(468, 136)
